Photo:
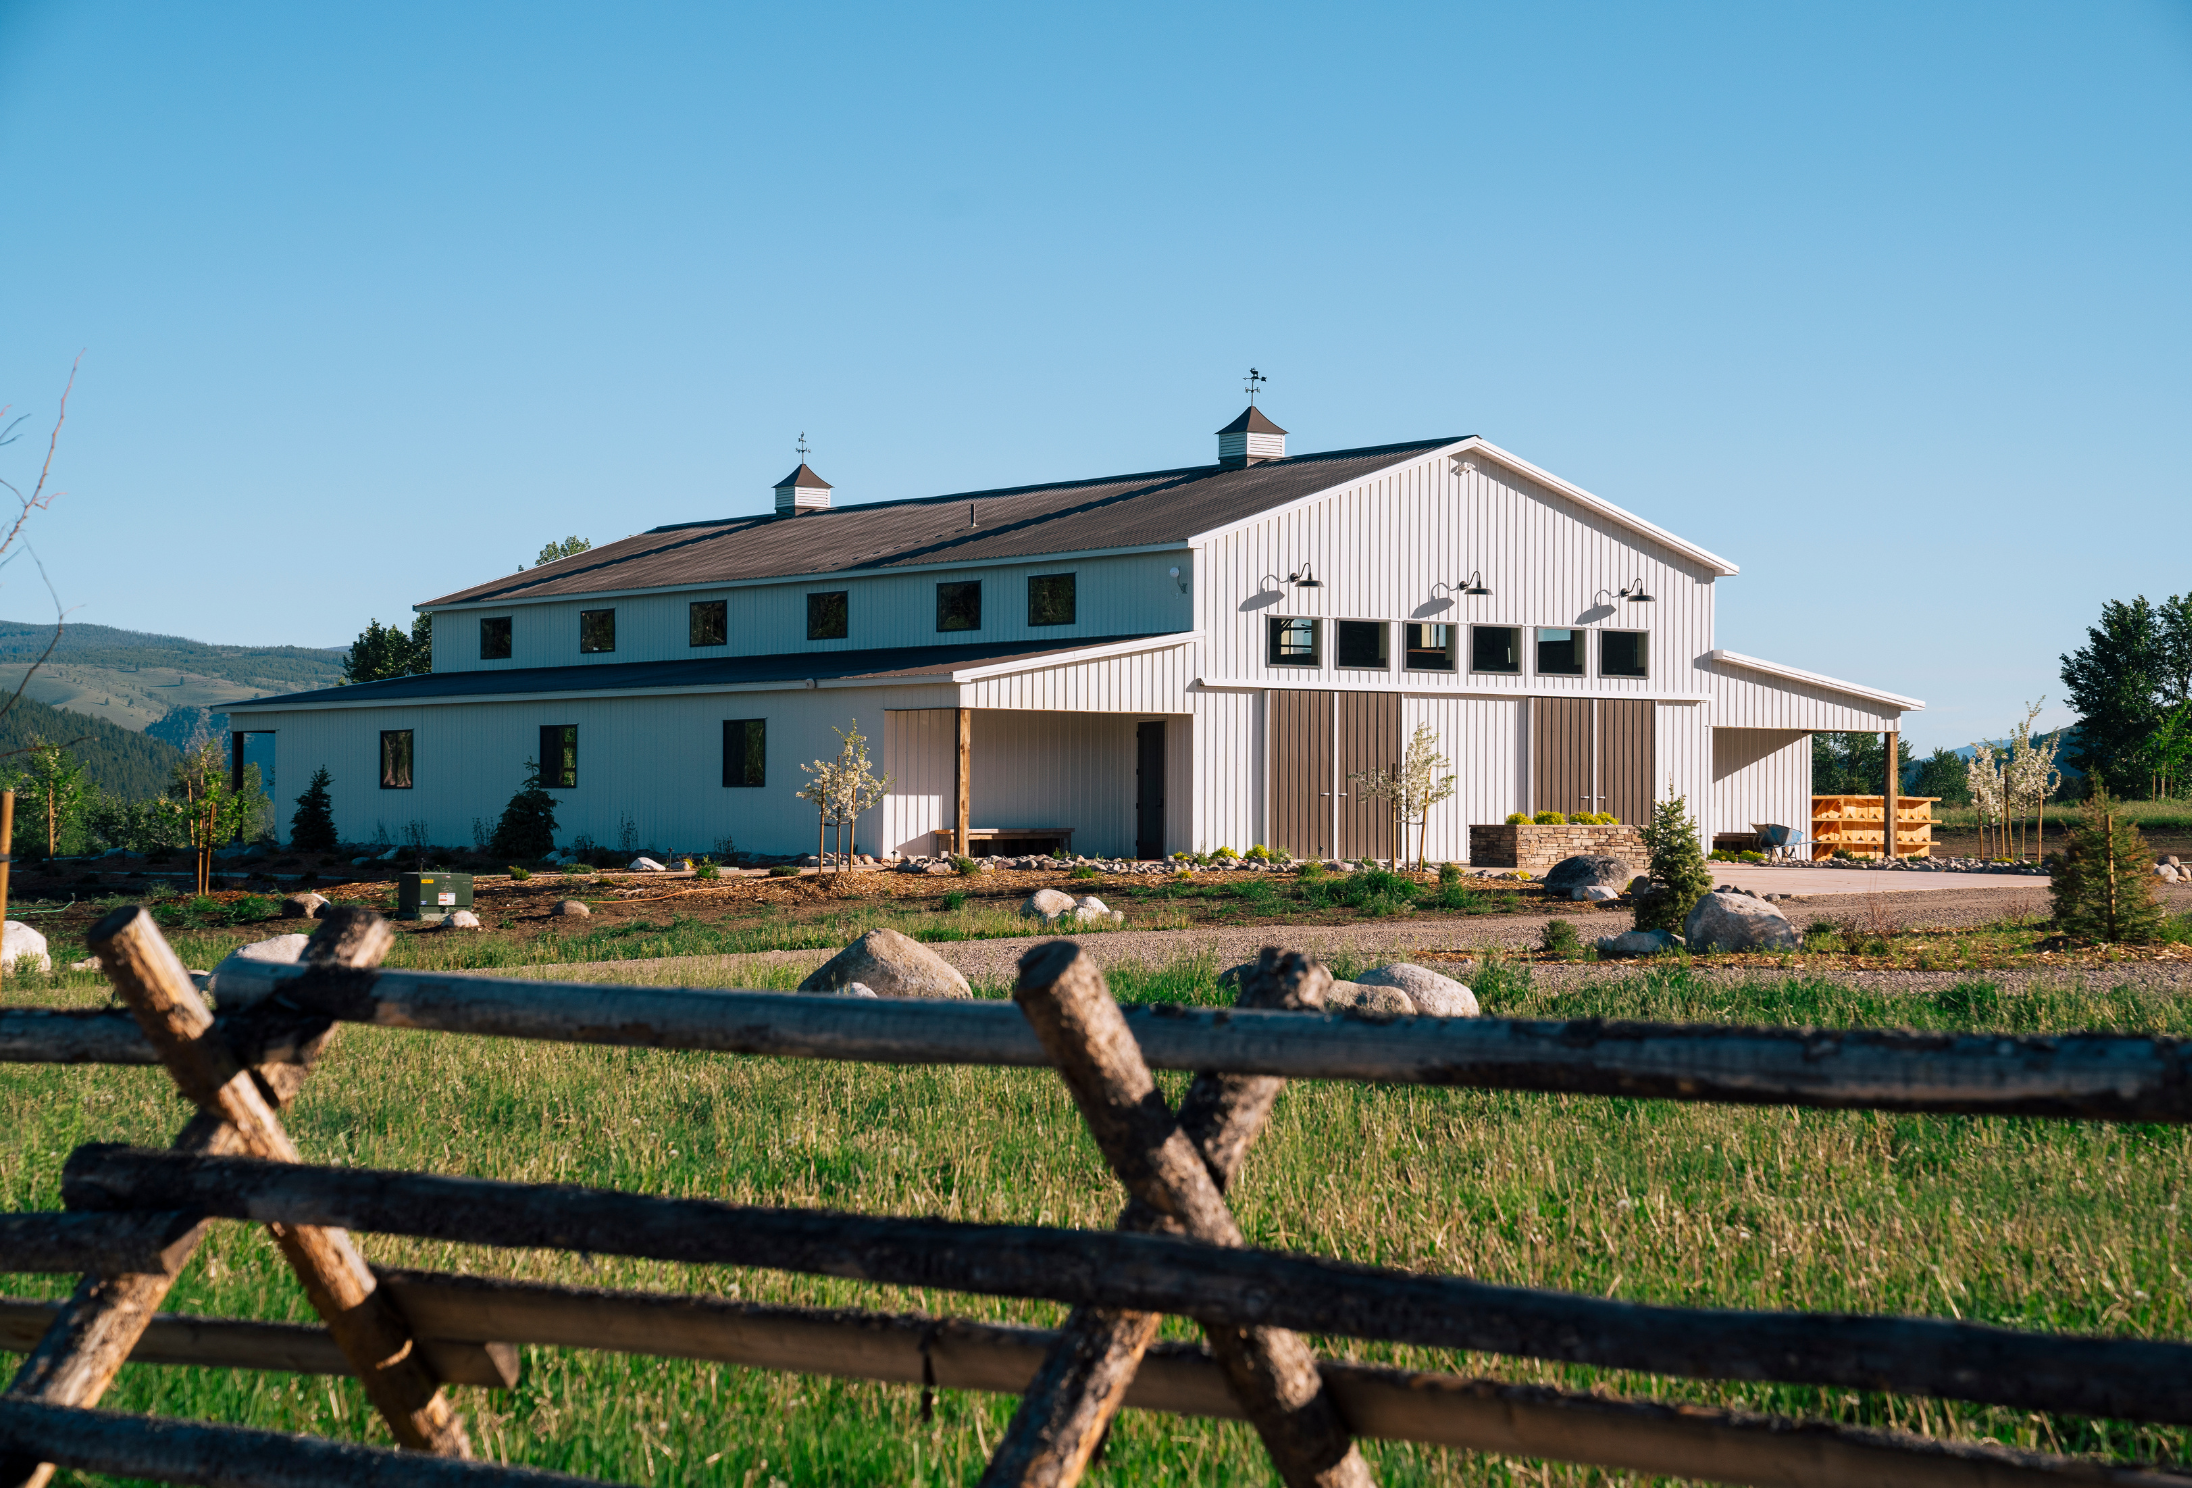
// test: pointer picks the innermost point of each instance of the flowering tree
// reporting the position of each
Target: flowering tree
(1410, 789)
(858, 786)
(1984, 775)
(2030, 776)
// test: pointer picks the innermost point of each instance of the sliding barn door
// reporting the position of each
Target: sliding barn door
(1625, 759)
(1592, 754)
(1368, 726)
(1560, 755)
(1301, 773)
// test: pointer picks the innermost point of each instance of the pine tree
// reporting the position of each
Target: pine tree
(1679, 875)
(527, 831)
(312, 827)
(2104, 879)
(382, 651)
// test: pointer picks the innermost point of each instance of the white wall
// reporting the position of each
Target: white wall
(1746, 699)
(1761, 775)
(1026, 769)
(1486, 741)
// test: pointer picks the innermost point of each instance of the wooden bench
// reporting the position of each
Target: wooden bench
(999, 842)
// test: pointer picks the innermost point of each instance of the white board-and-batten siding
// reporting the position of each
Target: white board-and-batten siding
(1761, 775)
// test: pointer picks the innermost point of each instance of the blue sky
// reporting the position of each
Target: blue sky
(1888, 303)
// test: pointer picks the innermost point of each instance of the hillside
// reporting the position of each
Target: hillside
(119, 760)
(133, 678)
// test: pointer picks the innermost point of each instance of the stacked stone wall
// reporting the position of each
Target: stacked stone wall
(1534, 849)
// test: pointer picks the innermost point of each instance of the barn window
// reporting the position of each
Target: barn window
(959, 606)
(1051, 599)
(745, 751)
(1430, 648)
(395, 759)
(707, 623)
(559, 756)
(1622, 653)
(495, 638)
(1363, 644)
(1294, 642)
(1560, 653)
(597, 630)
(829, 615)
(1495, 648)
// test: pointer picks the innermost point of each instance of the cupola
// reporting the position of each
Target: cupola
(1250, 440)
(800, 491)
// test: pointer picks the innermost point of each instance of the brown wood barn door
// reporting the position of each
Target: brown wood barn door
(1625, 760)
(1301, 773)
(1560, 755)
(1369, 739)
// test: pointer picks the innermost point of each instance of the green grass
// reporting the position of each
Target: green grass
(2038, 1224)
(2173, 816)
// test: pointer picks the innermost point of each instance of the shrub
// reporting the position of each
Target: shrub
(955, 899)
(784, 870)
(1084, 871)
(706, 868)
(1750, 855)
(1225, 854)
(1517, 819)
(1560, 939)
(252, 907)
(312, 827)
(520, 873)
(2104, 879)
(1549, 819)
(1845, 855)
(1311, 871)
(1259, 853)
(528, 826)
(1449, 873)
(1679, 877)
(966, 867)
(1721, 855)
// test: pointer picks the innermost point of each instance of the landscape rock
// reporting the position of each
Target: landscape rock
(1430, 993)
(1380, 1004)
(646, 865)
(89, 963)
(1570, 874)
(1093, 911)
(460, 919)
(2167, 872)
(858, 989)
(276, 950)
(302, 906)
(890, 965)
(571, 907)
(1595, 893)
(1047, 905)
(18, 942)
(1635, 943)
(1738, 922)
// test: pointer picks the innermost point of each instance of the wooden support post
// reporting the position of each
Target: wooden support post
(102, 1322)
(1890, 788)
(1068, 1407)
(963, 784)
(1271, 1371)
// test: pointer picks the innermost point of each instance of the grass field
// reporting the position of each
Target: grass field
(2038, 1224)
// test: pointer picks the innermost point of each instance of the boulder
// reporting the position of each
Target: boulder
(1093, 911)
(1641, 884)
(19, 943)
(858, 989)
(571, 907)
(1570, 874)
(890, 965)
(1380, 1004)
(275, 950)
(302, 906)
(460, 919)
(1595, 893)
(1635, 943)
(2167, 872)
(1432, 994)
(646, 865)
(1738, 922)
(89, 963)
(1047, 905)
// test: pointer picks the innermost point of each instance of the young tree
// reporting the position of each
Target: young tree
(2031, 776)
(821, 791)
(570, 547)
(858, 786)
(1679, 875)
(312, 826)
(2104, 879)
(208, 808)
(527, 831)
(385, 651)
(51, 792)
(1983, 779)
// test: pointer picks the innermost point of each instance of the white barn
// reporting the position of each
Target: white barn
(1180, 659)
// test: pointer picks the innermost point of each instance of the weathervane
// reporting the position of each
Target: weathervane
(1255, 380)
(803, 450)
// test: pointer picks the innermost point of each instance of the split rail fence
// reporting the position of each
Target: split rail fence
(134, 1217)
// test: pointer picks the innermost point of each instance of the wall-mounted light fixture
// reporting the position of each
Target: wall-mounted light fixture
(1636, 592)
(1474, 584)
(1178, 580)
(1304, 579)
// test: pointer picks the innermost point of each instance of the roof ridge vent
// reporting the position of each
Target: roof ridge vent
(1250, 439)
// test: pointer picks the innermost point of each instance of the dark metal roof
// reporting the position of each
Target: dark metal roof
(1123, 511)
(880, 664)
(1252, 421)
(803, 476)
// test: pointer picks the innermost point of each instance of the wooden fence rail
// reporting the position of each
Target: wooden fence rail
(137, 1215)
(2101, 1077)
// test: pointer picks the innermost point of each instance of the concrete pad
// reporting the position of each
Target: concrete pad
(1762, 879)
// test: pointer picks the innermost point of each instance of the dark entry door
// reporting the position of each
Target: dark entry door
(1369, 739)
(1301, 773)
(1625, 759)
(1591, 754)
(1149, 790)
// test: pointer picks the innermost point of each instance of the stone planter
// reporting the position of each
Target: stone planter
(1534, 849)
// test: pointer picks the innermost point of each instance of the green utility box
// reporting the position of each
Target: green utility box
(431, 896)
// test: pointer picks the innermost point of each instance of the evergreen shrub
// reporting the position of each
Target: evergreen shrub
(1678, 873)
(2104, 879)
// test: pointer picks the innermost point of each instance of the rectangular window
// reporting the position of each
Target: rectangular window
(1622, 653)
(1294, 643)
(708, 623)
(1495, 648)
(1050, 599)
(559, 756)
(597, 630)
(1363, 644)
(1560, 653)
(1430, 648)
(959, 606)
(495, 638)
(745, 751)
(829, 616)
(395, 759)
